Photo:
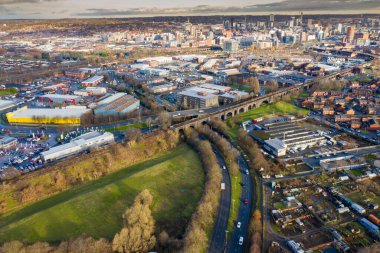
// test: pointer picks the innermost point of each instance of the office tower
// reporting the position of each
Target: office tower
(271, 20)
(350, 34)
(309, 23)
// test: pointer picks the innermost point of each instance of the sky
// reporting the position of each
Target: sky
(47, 9)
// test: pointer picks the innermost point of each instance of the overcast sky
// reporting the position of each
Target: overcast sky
(11, 9)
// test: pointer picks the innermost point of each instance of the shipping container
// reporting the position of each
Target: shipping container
(374, 219)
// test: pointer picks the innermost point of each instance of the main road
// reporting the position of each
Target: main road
(218, 241)
(244, 212)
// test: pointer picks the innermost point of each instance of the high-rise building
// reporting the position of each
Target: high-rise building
(339, 28)
(350, 34)
(271, 20)
(231, 46)
(309, 23)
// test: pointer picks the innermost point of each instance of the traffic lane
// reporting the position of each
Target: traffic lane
(244, 212)
(218, 241)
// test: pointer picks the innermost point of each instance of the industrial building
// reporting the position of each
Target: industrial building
(80, 144)
(7, 104)
(7, 142)
(197, 98)
(65, 115)
(288, 136)
(60, 99)
(91, 91)
(93, 81)
(208, 95)
(117, 104)
(295, 247)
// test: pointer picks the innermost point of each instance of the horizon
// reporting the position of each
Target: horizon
(63, 9)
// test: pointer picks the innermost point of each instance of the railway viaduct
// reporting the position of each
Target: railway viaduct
(243, 106)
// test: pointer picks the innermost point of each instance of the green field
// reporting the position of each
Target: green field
(175, 179)
(125, 128)
(269, 110)
(235, 202)
(7, 92)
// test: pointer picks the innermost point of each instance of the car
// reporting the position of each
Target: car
(246, 201)
(241, 239)
(238, 225)
(247, 172)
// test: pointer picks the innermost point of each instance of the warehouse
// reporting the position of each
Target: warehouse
(60, 99)
(7, 104)
(292, 136)
(80, 144)
(93, 81)
(91, 91)
(7, 142)
(117, 104)
(66, 115)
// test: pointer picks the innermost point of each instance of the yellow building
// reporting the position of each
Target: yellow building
(70, 115)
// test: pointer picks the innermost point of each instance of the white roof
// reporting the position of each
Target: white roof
(276, 143)
(60, 96)
(111, 98)
(65, 112)
(93, 79)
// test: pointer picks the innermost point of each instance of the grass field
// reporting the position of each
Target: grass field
(175, 179)
(235, 202)
(7, 92)
(264, 110)
(125, 128)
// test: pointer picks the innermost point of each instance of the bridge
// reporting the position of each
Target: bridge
(243, 106)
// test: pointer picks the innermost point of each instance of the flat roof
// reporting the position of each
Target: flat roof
(214, 87)
(194, 93)
(64, 96)
(93, 79)
(276, 143)
(65, 112)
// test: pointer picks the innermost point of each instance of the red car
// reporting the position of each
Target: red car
(246, 201)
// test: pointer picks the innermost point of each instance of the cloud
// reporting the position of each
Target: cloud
(282, 6)
(4, 2)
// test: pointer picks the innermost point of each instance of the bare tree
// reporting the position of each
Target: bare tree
(164, 120)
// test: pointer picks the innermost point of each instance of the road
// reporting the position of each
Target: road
(218, 241)
(244, 213)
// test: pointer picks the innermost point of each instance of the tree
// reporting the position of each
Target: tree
(138, 232)
(38, 247)
(12, 247)
(163, 239)
(133, 134)
(254, 85)
(164, 120)
(271, 86)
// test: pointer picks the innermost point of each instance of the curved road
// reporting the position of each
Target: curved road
(218, 241)
(244, 214)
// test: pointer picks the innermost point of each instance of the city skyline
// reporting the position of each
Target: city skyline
(52, 9)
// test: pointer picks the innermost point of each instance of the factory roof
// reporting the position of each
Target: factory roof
(93, 79)
(63, 96)
(5, 104)
(64, 112)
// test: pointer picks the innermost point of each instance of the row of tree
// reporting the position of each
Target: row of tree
(230, 154)
(252, 150)
(82, 244)
(195, 239)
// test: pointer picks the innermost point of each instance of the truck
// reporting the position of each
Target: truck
(223, 186)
